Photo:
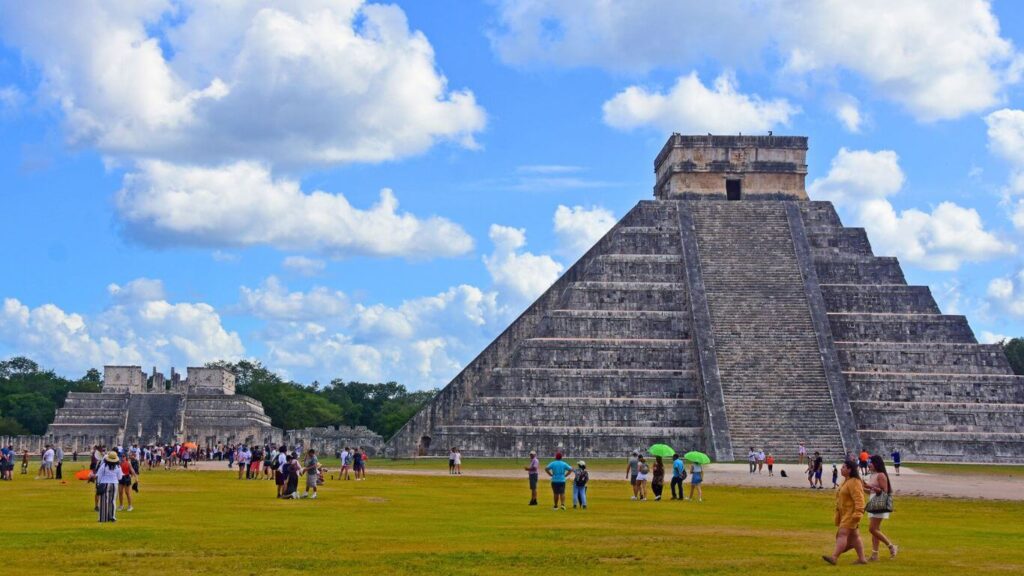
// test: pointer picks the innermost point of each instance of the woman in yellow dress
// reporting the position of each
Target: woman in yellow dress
(849, 510)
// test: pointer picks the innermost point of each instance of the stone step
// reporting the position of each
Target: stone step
(941, 416)
(645, 240)
(567, 411)
(947, 446)
(936, 387)
(860, 298)
(938, 358)
(878, 270)
(653, 296)
(830, 241)
(636, 268)
(914, 328)
(604, 353)
(574, 442)
(561, 382)
(613, 323)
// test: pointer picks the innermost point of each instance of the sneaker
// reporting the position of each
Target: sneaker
(313, 497)
(120, 508)
(657, 497)
(893, 549)
(95, 508)
(633, 498)
(573, 506)
(554, 507)
(533, 502)
(700, 500)
(130, 508)
(563, 507)
(584, 506)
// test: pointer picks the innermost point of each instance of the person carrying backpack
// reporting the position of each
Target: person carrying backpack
(579, 485)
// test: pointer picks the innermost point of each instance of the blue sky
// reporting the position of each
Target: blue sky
(183, 182)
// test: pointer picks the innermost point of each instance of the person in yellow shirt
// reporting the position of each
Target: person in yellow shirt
(849, 510)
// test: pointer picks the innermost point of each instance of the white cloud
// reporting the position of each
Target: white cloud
(11, 98)
(861, 181)
(1007, 294)
(242, 205)
(986, 337)
(297, 83)
(1006, 140)
(578, 228)
(938, 58)
(848, 113)
(140, 327)
(523, 276)
(304, 265)
(138, 290)
(418, 342)
(692, 107)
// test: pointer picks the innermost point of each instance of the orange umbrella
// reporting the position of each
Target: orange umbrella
(190, 445)
(83, 474)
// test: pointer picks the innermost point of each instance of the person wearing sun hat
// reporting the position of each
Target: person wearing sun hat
(107, 475)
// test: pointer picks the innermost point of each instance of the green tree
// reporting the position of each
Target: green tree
(1014, 349)
(31, 410)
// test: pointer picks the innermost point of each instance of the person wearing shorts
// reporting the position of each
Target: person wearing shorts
(559, 471)
(280, 473)
(346, 458)
(632, 470)
(311, 469)
(696, 479)
(532, 471)
(357, 465)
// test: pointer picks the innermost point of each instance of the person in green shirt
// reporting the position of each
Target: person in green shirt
(558, 471)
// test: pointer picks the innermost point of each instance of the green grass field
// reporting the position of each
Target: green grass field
(211, 523)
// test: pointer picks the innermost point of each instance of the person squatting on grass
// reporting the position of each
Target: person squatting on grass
(532, 472)
(879, 487)
(849, 510)
(107, 476)
(678, 475)
(579, 485)
(558, 471)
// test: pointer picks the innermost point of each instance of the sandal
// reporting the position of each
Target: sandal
(893, 549)
(828, 559)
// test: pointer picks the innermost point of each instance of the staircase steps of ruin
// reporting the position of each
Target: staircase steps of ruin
(769, 360)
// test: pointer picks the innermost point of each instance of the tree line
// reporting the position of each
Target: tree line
(30, 396)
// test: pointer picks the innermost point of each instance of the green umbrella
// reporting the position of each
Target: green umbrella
(698, 457)
(663, 450)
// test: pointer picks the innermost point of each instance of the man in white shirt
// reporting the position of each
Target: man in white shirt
(48, 462)
(345, 456)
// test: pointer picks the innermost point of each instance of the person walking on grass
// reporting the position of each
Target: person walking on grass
(819, 464)
(878, 486)
(658, 478)
(124, 484)
(696, 480)
(678, 475)
(346, 463)
(107, 476)
(835, 477)
(579, 485)
(451, 461)
(642, 476)
(632, 470)
(458, 462)
(849, 510)
(896, 458)
(532, 472)
(311, 469)
(770, 461)
(46, 468)
(559, 471)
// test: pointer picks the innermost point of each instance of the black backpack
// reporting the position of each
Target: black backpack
(582, 477)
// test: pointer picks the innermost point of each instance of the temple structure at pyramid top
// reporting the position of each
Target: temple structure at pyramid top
(730, 313)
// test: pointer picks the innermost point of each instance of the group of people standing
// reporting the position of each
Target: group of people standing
(758, 459)
(640, 474)
(116, 475)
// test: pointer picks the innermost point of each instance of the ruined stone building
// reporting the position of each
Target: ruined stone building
(202, 408)
(731, 311)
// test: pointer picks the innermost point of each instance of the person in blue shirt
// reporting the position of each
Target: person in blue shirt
(678, 475)
(558, 471)
(896, 458)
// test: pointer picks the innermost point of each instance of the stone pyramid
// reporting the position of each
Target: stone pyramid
(731, 312)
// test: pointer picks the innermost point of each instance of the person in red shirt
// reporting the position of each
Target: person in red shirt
(124, 485)
(770, 461)
(864, 461)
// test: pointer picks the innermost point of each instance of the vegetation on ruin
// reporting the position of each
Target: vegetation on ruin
(211, 523)
(1014, 349)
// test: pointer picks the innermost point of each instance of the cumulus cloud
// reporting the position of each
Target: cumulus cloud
(140, 327)
(578, 228)
(861, 181)
(690, 106)
(847, 111)
(521, 275)
(300, 83)
(1007, 294)
(304, 265)
(241, 204)
(1006, 140)
(939, 59)
(419, 342)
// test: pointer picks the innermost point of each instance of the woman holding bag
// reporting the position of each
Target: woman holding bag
(879, 506)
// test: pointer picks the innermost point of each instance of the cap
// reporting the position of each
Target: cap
(533, 452)
(558, 455)
(581, 464)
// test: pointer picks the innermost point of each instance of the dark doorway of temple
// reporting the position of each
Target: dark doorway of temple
(732, 189)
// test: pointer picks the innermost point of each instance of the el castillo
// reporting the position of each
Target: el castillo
(747, 315)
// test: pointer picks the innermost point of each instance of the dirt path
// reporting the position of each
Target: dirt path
(911, 482)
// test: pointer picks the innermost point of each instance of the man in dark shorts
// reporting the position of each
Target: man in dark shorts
(896, 458)
(818, 463)
(532, 471)
(357, 464)
(559, 472)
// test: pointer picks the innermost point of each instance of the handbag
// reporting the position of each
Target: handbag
(879, 503)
